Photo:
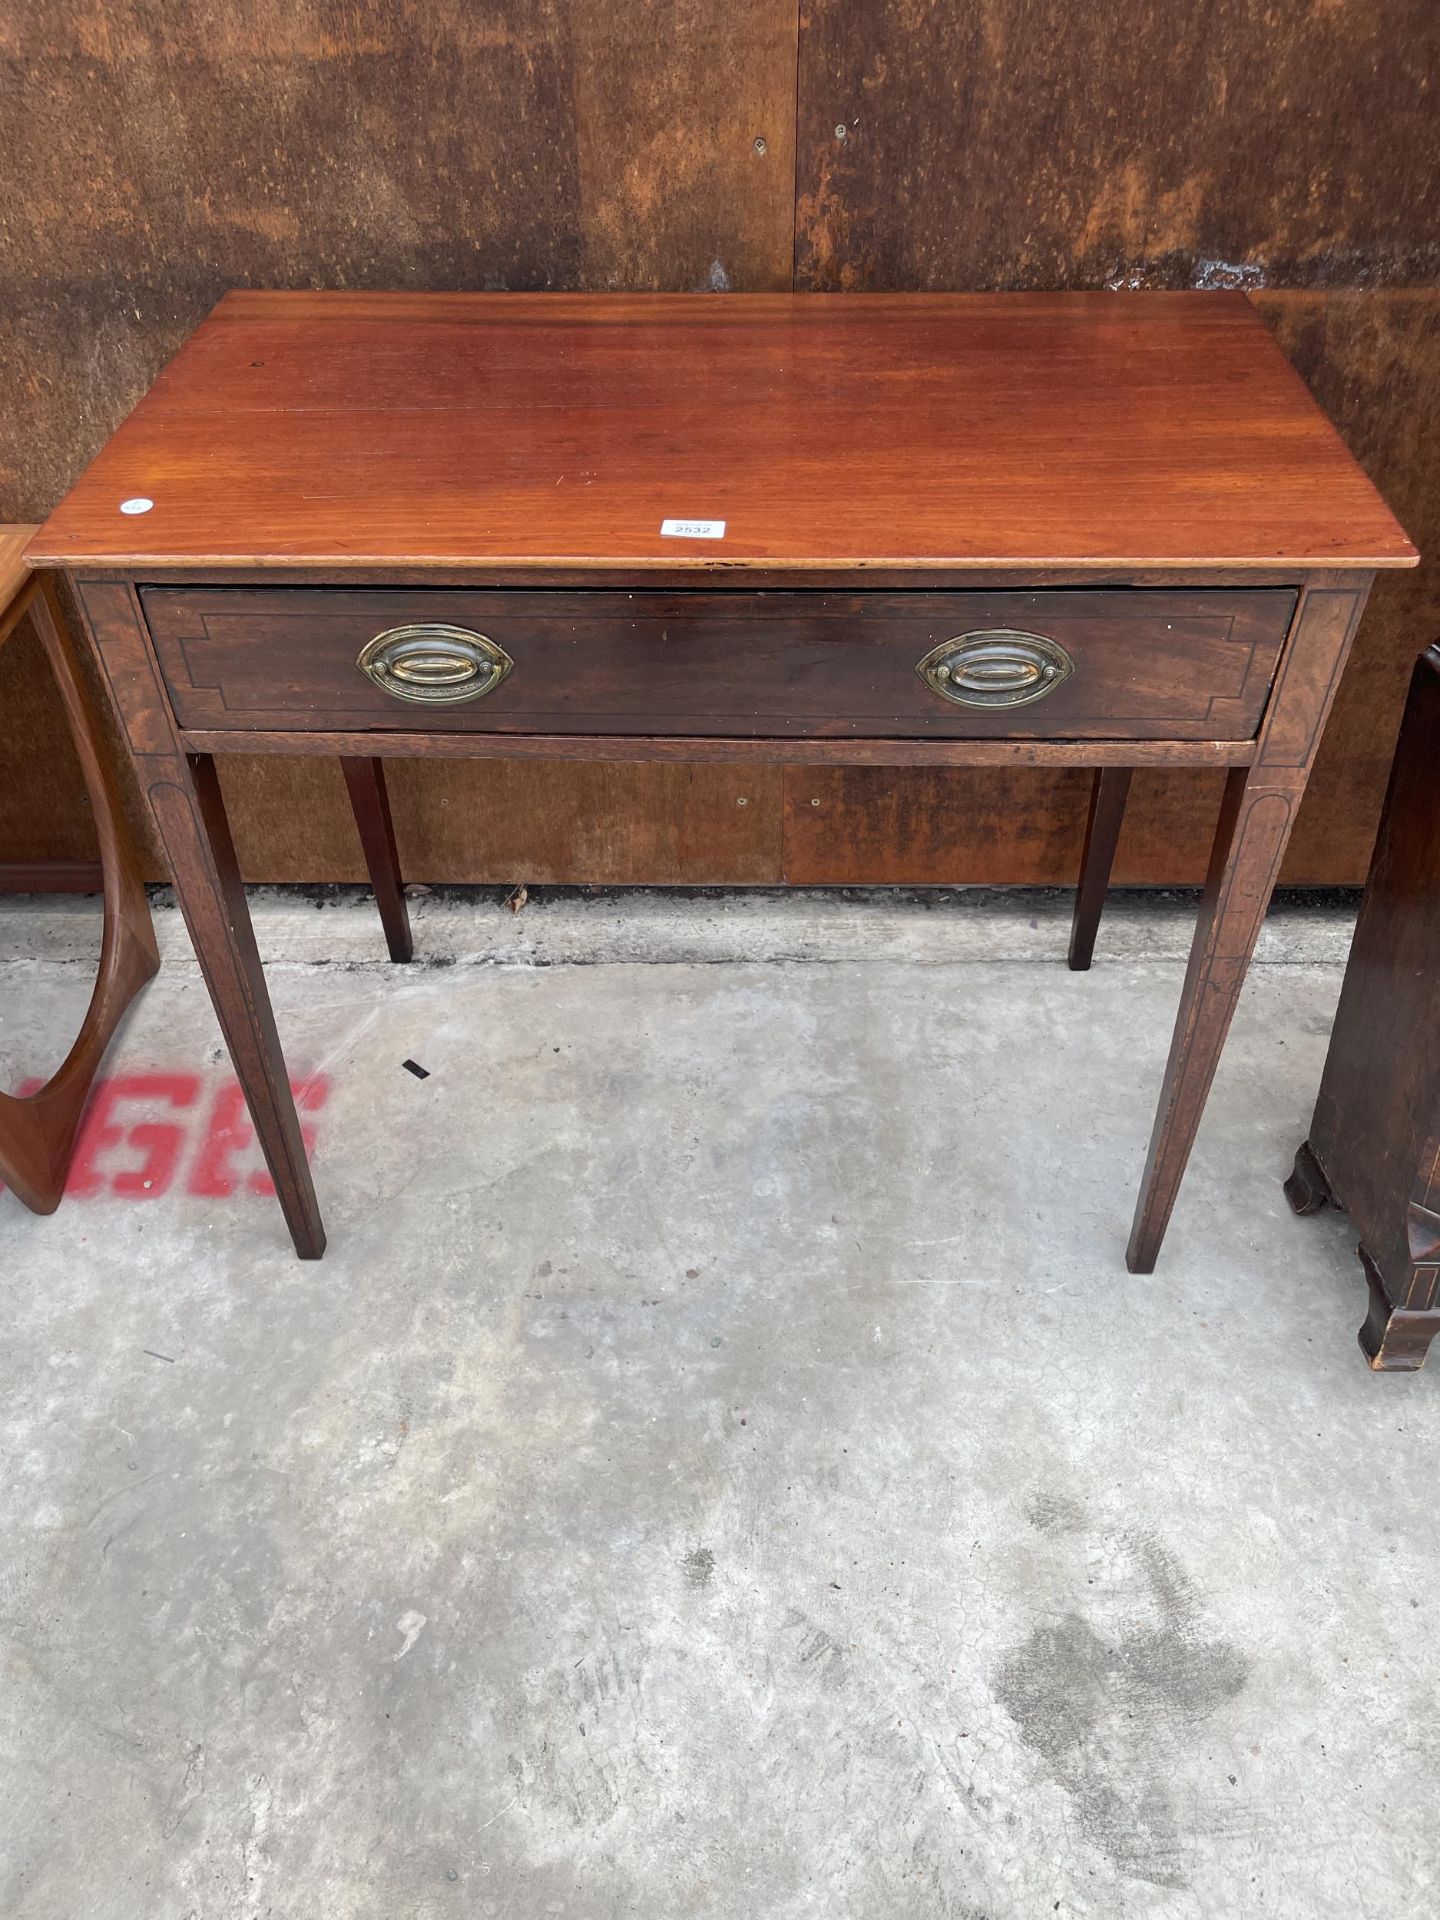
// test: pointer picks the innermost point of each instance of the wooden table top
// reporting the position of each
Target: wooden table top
(14, 571)
(831, 432)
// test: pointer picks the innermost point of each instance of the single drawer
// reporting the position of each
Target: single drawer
(1092, 663)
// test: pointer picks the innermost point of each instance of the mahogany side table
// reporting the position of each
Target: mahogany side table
(1374, 1145)
(38, 1130)
(1099, 530)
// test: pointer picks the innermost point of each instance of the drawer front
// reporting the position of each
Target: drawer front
(1091, 663)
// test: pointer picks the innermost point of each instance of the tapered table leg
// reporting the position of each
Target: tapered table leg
(1256, 816)
(184, 796)
(1248, 844)
(1108, 794)
(370, 803)
(190, 815)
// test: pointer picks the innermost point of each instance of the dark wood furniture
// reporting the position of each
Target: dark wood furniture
(38, 1131)
(986, 530)
(1374, 1145)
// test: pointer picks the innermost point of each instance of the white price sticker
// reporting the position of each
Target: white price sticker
(693, 529)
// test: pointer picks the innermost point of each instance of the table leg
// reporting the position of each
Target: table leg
(1108, 794)
(184, 797)
(1249, 841)
(1256, 816)
(370, 803)
(190, 815)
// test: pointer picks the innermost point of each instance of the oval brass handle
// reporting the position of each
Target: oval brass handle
(435, 665)
(998, 667)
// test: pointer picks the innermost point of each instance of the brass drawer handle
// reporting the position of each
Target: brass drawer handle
(995, 668)
(436, 666)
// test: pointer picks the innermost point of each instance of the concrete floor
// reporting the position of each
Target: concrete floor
(722, 1467)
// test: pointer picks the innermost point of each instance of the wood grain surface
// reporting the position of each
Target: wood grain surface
(1097, 431)
(14, 568)
(800, 750)
(1145, 663)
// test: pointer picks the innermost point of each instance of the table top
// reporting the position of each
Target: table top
(14, 572)
(831, 432)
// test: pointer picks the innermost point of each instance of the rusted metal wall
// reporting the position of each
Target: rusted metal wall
(162, 150)
(1041, 143)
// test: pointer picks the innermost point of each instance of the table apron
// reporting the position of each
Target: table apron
(698, 748)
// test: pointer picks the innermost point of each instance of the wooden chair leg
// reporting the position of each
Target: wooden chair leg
(365, 782)
(1108, 794)
(37, 1134)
